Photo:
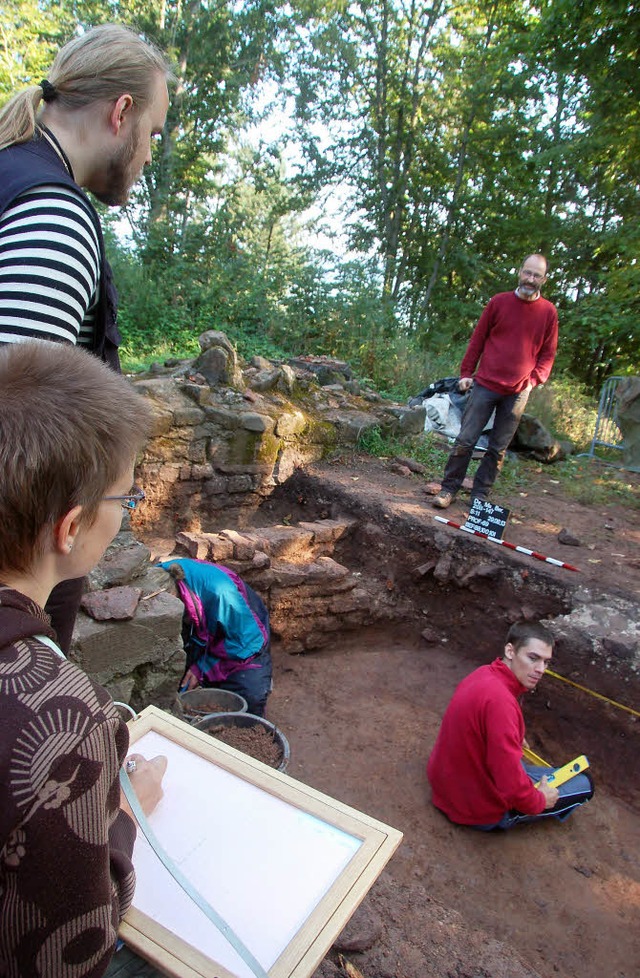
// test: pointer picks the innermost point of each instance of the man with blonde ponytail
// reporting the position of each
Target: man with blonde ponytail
(89, 125)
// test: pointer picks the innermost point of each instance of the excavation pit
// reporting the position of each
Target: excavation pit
(362, 709)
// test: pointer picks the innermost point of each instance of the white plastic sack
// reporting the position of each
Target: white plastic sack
(441, 415)
(444, 417)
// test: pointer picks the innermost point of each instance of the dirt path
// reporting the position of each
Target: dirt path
(557, 901)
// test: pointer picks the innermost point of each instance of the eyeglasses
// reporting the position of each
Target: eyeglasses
(536, 276)
(131, 500)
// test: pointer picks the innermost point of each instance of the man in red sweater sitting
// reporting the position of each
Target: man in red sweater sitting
(477, 774)
(515, 345)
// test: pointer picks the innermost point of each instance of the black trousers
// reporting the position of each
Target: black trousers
(62, 607)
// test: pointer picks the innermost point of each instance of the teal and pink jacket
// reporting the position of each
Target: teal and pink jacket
(226, 619)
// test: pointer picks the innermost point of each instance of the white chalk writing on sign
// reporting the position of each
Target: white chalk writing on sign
(486, 518)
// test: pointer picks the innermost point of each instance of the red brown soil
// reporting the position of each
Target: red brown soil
(544, 901)
(551, 900)
(608, 555)
(257, 742)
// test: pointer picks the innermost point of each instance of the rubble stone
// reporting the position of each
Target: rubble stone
(117, 603)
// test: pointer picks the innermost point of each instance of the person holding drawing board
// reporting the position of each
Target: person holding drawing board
(477, 774)
(513, 348)
(70, 429)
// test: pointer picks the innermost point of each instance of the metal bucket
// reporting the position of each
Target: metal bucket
(249, 720)
(201, 702)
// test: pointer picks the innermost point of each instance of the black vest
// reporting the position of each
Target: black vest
(27, 165)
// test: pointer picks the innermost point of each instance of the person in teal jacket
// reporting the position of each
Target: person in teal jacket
(225, 631)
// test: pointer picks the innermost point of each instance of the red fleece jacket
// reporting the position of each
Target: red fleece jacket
(475, 768)
(515, 342)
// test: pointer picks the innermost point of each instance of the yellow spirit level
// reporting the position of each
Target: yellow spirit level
(556, 778)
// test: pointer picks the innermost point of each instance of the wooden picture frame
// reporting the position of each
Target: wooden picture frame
(304, 860)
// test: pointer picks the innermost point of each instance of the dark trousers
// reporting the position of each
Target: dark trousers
(509, 409)
(573, 793)
(62, 607)
(255, 683)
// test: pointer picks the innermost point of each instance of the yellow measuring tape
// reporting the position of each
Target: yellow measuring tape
(535, 758)
(599, 696)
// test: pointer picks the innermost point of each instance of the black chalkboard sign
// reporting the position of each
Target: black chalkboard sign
(486, 518)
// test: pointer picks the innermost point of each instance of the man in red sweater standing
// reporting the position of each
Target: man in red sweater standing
(515, 345)
(476, 771)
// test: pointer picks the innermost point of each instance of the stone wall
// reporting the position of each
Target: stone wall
(128, 633)
(225, 436)
(310, 596)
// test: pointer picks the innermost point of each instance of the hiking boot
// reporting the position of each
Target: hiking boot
(443, 499)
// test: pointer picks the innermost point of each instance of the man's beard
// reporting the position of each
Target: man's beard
(118, 178)
(526, 288)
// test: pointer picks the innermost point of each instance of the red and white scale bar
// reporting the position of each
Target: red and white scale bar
(511, 546)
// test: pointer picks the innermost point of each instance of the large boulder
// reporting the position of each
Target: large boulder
(628, 418)
(218, 362)
(532, 438)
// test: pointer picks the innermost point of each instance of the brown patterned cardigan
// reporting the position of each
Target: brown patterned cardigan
(66, 877)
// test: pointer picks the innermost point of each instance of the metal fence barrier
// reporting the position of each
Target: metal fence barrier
(606, 434)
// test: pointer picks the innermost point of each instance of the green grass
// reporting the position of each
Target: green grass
(432, 453)
(593, 483)
(566, 410)
(133, 362)
(136, 357)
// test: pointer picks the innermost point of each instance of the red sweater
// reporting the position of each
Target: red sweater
(515, 342)
(475, 768)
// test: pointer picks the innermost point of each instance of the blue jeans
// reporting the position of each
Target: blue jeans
(509, 409)
(573, 793)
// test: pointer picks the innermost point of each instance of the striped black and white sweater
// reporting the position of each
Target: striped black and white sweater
(49, 268)
(55, 280)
